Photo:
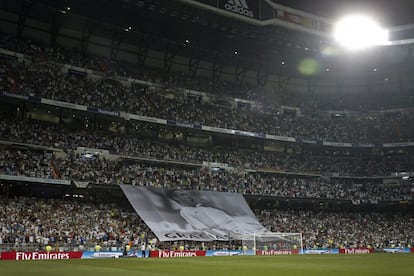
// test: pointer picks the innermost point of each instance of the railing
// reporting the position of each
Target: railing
(61, 247)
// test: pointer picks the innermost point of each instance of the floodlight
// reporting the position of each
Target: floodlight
(359, 31)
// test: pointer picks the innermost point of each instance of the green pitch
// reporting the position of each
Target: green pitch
(375, 264)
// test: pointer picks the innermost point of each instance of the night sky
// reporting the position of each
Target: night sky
(388, 12)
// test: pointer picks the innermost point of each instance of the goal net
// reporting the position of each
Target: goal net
(268, 243)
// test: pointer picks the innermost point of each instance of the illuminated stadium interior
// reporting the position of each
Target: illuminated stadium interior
(227, 117)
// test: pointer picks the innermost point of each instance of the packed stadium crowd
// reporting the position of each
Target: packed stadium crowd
(109, 67)
(66, 139)
(25, 163)
(96, 170)
(49, 80)
(342, 229)
(28, 221)
(71, 56)
(33, 223)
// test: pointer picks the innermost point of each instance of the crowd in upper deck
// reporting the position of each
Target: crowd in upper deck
(47, 79)
(97, 170)
(58, 136)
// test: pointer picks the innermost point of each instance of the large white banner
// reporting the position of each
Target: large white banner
(191, 214)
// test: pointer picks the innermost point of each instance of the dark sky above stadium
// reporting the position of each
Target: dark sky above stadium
(388, 12)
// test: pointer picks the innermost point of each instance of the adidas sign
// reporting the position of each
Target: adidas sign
(238, 6)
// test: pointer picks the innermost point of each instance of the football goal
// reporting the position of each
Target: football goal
(269, 243)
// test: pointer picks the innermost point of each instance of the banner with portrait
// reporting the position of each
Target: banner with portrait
(192, 214)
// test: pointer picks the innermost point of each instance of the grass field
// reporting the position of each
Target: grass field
(373, 264)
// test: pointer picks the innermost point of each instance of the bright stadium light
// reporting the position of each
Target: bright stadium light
(359, 31)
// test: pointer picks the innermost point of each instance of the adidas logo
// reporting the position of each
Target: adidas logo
(238, 6)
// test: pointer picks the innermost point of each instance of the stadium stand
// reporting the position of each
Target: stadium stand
(33, 223)
(327, 151)
(50, 82)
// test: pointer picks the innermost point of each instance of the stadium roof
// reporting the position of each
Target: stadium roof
(391, 13)
(217, 34)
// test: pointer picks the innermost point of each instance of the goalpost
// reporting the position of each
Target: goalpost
(269, 243)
